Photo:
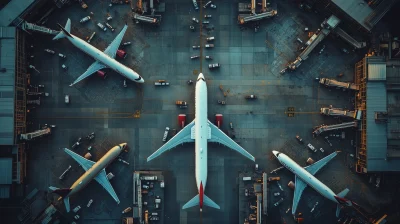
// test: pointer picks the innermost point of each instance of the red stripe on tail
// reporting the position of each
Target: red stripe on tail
(201, 195)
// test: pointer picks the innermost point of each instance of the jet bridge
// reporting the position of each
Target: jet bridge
(338, 84)
(345, 36)
(327, 26)
(245, 18)
(35, 134)
(324, 128)
(146, 19)
(338, 112)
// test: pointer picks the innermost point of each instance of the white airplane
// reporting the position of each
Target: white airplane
(94, 170)
(201, 131)
(103, 59)
(305, 176)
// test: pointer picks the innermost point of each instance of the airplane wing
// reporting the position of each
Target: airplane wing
(298, 190)
(102, 179)
(315, 167)
(111, 50)
(185, 135)
(85, 163)
(218, 136)
(92, 69)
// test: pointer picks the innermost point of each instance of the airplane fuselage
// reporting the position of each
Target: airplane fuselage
(307, 177)
(93, 171)
(105, 59)
(201, 133)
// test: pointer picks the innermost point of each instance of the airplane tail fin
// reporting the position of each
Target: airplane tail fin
(342, 201)
(65, 31)
(196, 201)
(210, 203)
(193, 202)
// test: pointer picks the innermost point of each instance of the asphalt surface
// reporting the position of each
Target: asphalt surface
(250, 64)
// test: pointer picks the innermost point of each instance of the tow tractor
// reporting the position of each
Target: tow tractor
(181, 103)
(221, 102)
(161, 83)
(49, 51)
(251, 97)
(189, 82)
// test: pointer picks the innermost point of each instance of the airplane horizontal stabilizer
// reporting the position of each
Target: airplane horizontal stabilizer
(343, 193)
(209, 202)
(193, 202)
(338, 209)
(66, 203)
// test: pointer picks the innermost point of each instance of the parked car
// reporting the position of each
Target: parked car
(165, 136)
(250, 97)
(195, 20)
(102, 27)
(206, 22)
(61, 55)
(311, 147)
(196, 47)
(85, 19)
(299, 139)
(64, 67)
(67, 99)
(89, 203)
(216, 65)
(207, 16)
(76, 217)
(145, 186)
(77, 208)
(49, 51)
(209, 45)
(126, 43)
(213, 6)
(194, 56)
(208, 57)
(210, 38)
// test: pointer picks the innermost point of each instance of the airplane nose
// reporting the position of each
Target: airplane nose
(275, 153)
(201, 76)
(123, 145)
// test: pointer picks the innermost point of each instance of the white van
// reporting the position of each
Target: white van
(165, 134)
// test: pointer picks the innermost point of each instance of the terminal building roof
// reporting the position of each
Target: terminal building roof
(7, 84)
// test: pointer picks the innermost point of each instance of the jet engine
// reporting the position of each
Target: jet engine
(121, 53)
(101, 74)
